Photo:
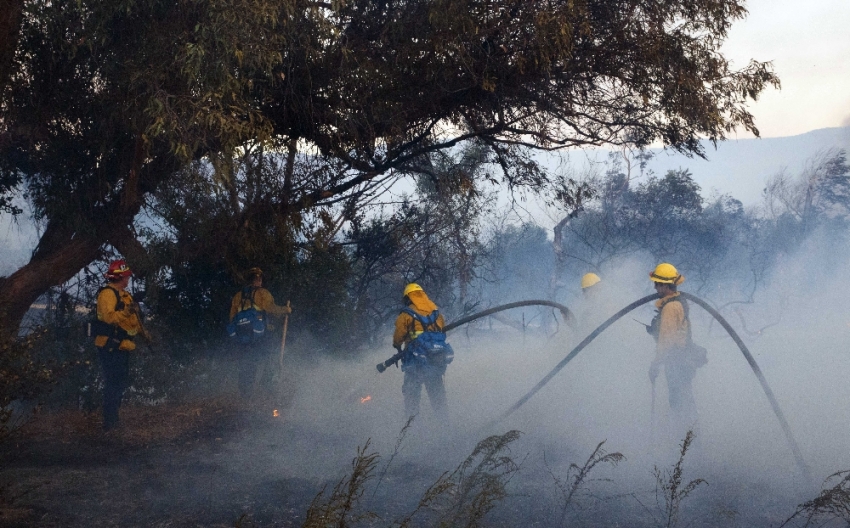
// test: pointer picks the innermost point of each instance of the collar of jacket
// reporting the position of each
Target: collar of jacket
(664, 300)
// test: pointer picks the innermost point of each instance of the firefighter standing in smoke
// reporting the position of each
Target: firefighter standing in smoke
(594, 309)
(674, 349)
(253, 353)
(118, 323)
(421, 315)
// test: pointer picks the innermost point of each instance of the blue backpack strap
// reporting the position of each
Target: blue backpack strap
(425, 321)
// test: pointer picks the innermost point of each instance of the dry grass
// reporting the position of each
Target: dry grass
(831, 504)
(467, 494)
(462, 497)
(671, 489)
(577, 476)
(338, 509)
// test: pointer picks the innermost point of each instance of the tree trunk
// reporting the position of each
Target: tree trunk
(560, 256)
(61, 253)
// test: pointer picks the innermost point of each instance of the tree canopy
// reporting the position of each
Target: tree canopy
(105, 101)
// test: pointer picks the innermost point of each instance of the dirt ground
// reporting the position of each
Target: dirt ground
(165, 466)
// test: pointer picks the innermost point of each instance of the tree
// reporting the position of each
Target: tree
(432, 237)
(107, 100)
(819, 195)
(10, 22)
(663, 217)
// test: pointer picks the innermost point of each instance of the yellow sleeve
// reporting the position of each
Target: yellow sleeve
(402, 328)
(124, 318)
(673, 329)
(235, 305)
(265, 302)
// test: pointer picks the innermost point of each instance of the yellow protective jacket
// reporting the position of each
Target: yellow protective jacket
(672, 328)
(406, 327)
(125, 318)
(263, 301)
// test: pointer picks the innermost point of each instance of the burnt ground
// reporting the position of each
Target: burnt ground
(163, 467)
(210, 463)
(214, 461)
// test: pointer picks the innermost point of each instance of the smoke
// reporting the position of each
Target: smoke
(797, 329)
(846, 122)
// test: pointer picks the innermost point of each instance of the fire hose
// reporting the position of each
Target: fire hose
(795, 449)
(798, 456)
(565, 312)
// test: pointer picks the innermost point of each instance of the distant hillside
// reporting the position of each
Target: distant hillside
(740, 167)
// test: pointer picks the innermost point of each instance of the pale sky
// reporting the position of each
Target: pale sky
(809, 44)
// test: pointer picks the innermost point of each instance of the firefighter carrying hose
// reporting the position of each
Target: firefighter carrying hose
(675, 350)
(419, 328)
(118, 323)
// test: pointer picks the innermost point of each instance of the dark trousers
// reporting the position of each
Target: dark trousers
(432, 378)
(115, 367)
(253, 358)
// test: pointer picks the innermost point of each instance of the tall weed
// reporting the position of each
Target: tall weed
(831, 504)
(671, 489)
(338, 509)
(465, 496)
(577, 477)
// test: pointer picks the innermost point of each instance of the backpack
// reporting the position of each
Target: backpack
(428, 348)
(114, 334)
(694, 354)
(249, 324)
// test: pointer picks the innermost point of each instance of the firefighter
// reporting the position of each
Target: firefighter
(252, 354)
(118, 323)
(596, 305)
(588, 281)
(671, 329)
(426, 368)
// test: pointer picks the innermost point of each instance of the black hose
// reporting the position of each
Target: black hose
(565, 312)
(795, 449)
(568, 316)
(798, 457)
(586, 341)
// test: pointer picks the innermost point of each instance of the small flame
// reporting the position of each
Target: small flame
(365, 399)
(275, 413)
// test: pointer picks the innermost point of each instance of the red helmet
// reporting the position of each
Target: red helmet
(118, 269)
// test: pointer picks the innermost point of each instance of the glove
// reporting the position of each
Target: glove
(653, 371)
(398, 349)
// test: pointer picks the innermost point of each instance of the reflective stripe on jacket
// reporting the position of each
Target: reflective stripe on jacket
(406, 327)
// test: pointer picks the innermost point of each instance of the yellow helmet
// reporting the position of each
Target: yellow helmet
(589, 279)
(412, 287)
(666, 274)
